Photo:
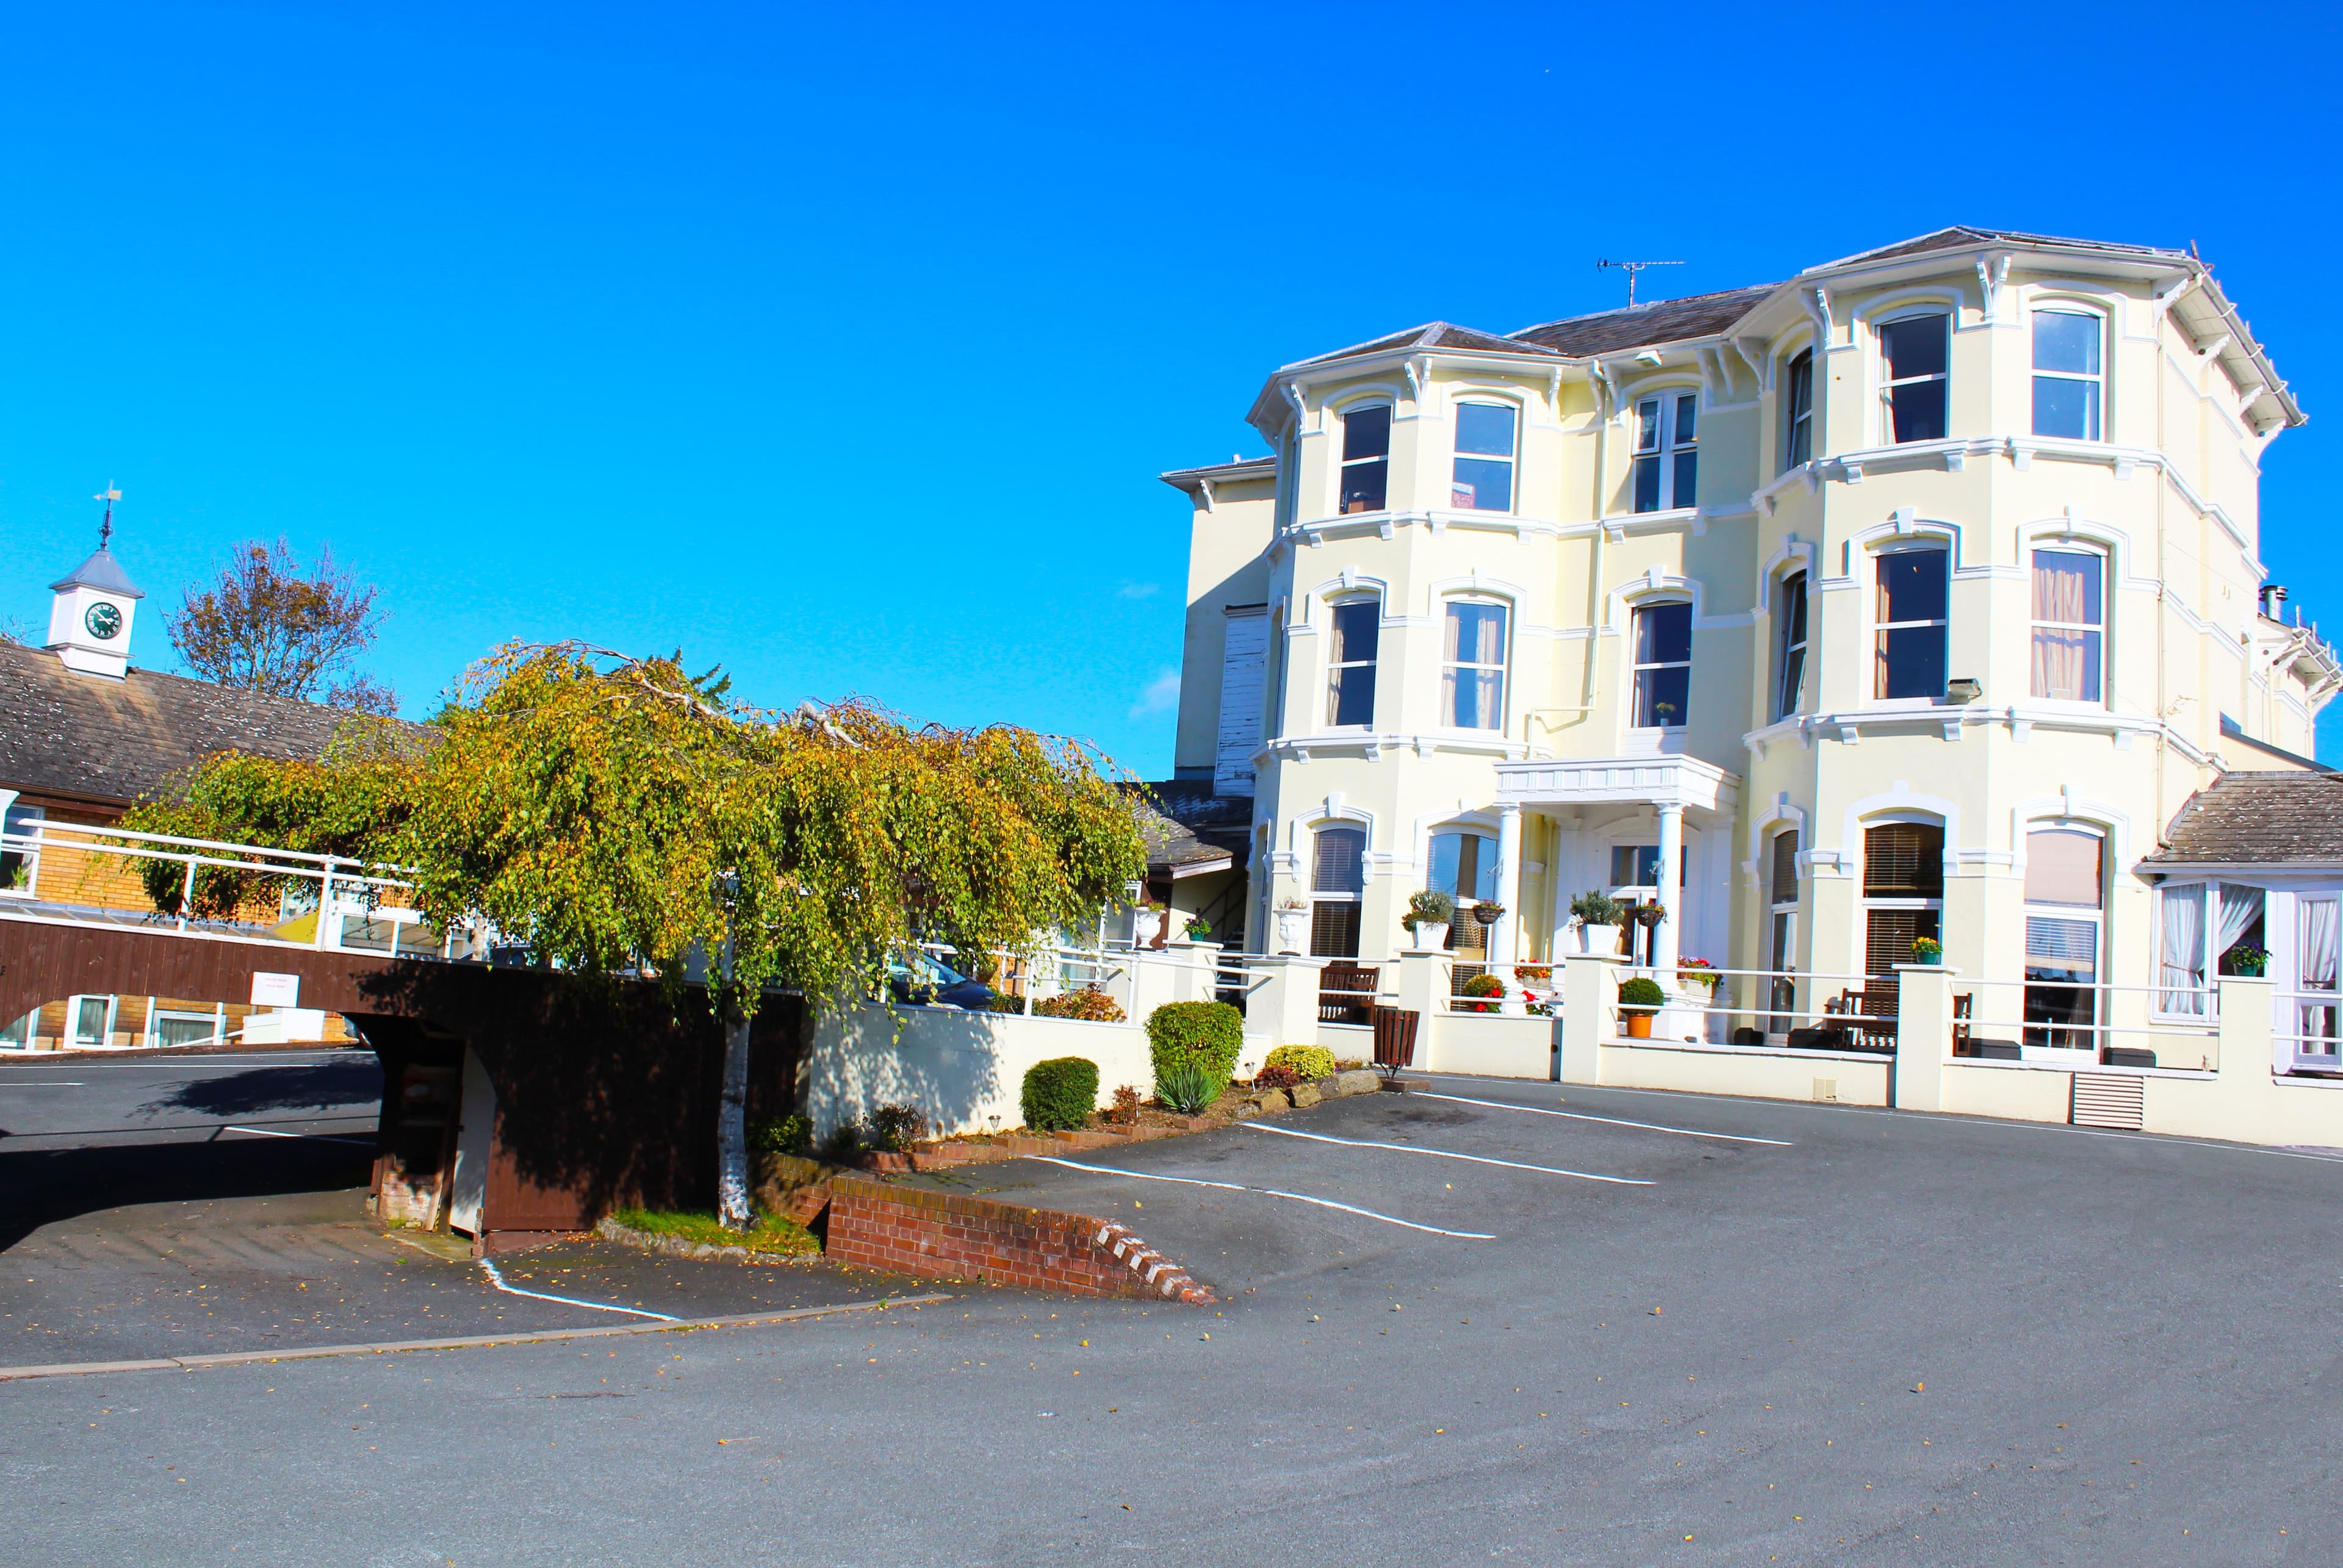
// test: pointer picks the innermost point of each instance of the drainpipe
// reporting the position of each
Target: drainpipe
(1605, 397)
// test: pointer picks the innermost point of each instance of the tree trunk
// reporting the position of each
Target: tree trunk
(732, 1125)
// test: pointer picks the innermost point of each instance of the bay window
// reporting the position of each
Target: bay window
(1667, 461)
(1903, 891)
(1482, 480)
(2068, 611)
(1473, 684)
(1790, 688)
(1781, 903)
(1663, 665)
(2068, 378)
(1351, 663)
(2200, 927)
(2315, 1002)
(1914, 354)
(1909, 653)
(1366, 458)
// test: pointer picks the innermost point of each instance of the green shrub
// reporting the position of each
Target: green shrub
(1306, 1061)
(1598, 908)
(1430, 907)
(1089, 1004)
(895, 1128)
(1211, 1032)
(1187, 1087)
(1278, 1077)
(1642, 994)
(1003, 1001)
(1061, 1093)
(780, 1135)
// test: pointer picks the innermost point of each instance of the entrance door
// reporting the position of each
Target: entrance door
(474, 1134)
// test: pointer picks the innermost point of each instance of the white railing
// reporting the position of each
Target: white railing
(347, 890)
(2095, 1020)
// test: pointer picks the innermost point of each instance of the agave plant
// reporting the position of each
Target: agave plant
(1189, 1087)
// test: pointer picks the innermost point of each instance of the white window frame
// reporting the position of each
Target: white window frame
(72, 1037)
(1780, 936)
(1512, 460)
(1657, 442)
(11, 811)
(2208, 970)
(1942, 311)
(1896, 902)
(1787, 701)
(2098, 381)
(215, 1019)
(1335, 670)
(2300, 1002)
(2097, 629)
(1637, 667)
(1942, 546)
(1449, 668)
(1338, 896)
(2095, 917)
(1342, 465)
(1794, 423)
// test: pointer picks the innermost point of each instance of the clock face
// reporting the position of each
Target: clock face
(103, 621)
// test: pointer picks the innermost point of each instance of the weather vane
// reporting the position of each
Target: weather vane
(111, 494)
(1632, 268)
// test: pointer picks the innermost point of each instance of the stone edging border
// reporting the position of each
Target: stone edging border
(470, 1341)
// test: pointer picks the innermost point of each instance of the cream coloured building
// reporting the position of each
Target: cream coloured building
(1915, 595)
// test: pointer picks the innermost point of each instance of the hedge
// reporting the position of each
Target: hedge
(1210, 1033)
(1308, 1061)
(1061, 1093)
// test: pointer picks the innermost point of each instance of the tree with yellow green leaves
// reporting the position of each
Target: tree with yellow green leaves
(620, 815)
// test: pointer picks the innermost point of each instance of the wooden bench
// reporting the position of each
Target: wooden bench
(1346, 993)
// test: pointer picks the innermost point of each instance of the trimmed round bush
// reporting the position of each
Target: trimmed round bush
(1641, 993)
(1060, 1094)
(1211, 1032)
(1304, 1061)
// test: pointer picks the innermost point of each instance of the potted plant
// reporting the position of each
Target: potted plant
(1146, 924)
(1928, 951)
(1598, 915)
(2245, 959)
(1488, 913)
(1649, 916)
(1427, 917)
(1699, 973)
(1483, 993)
(1198, 927)
(1639, 999)
(1292, 923)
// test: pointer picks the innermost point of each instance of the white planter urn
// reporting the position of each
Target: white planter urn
(1146, 925)
(1292, 930)
(1598, 938)
(1429, 937)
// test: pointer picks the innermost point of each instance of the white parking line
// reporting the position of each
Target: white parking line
(315, 1137)
(1446, 1153)
(499, 1282)
(1265, 1192)
(1613, 1120)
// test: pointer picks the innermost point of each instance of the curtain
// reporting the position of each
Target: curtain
(2319, 962)
(2181, 916)
(2062, 594)
(2241, 908)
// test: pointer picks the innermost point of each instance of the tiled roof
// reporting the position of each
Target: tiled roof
(1634, 327)
(1432, 335)
(1187, 825)
(82, 736)
(2259, 820)
(1961, 238)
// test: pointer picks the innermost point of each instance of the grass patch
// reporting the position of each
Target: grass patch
(771, 1233)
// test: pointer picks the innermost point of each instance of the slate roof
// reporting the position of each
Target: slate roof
(2255, 818)
(102, 572)
(113, 742)
(1636, 326)
(1432, 335)
(1187, 825)
(1963, 238)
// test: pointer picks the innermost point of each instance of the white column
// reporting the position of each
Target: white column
(1671, 875)
(1509, 884)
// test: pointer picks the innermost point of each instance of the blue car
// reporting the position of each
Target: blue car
(922, 981)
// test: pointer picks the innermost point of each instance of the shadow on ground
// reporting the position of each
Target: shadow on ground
(38, 1188)
(320, 1086)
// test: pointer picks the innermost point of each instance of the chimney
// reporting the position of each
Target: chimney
(2273, 600)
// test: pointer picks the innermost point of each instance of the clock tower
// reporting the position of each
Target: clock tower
(89, 620)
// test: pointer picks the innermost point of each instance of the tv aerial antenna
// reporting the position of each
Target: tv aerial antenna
(1631, 268)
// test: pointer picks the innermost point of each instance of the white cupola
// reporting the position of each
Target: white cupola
(89, 620)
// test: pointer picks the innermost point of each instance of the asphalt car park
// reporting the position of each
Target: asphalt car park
(1875, 1337)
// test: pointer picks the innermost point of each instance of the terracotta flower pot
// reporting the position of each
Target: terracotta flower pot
(1639, 1025)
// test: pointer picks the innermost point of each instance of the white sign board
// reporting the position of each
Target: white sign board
(276, 990)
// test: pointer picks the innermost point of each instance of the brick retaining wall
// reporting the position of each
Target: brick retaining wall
(941, 1235)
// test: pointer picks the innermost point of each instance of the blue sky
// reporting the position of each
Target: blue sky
(842, 346)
